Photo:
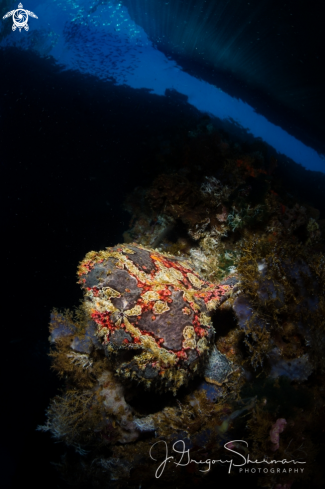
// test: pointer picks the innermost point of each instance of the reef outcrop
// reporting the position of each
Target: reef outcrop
(205, 326)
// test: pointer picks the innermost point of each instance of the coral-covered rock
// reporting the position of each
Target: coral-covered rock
(298, 369)
(154, 306)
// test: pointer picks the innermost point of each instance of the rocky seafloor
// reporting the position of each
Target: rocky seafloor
(202, 335)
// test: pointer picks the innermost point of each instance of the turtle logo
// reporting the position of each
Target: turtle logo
(20, 18)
